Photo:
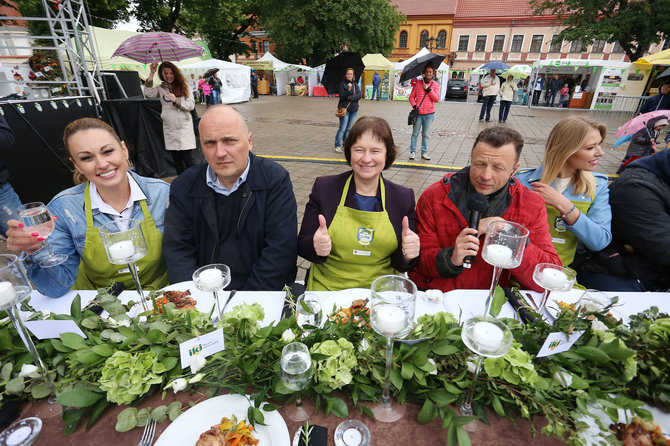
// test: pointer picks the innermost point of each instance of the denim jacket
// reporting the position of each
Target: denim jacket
(69, 234)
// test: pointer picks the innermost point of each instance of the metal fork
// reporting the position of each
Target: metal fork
(148, 434)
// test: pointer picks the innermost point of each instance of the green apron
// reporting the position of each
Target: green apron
(565, 242)
(95, 271)
(362, 244)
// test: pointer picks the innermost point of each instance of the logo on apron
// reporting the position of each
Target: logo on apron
(365, 236)
(559, 224)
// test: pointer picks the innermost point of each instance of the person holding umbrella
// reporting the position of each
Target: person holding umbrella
(490, 89)
(177, 102)
(643, 142)
(350, 94)
(424, 89)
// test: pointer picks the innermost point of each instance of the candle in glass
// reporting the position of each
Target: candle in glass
(390, 319)
(352, 437)
(497, 255)
(122, 251)
(211, 279)
(7, 293)
(487, 335)
(554, 278)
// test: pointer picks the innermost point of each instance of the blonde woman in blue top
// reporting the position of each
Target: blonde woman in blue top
(577, 199)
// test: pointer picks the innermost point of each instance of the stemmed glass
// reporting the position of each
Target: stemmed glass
(37, 220)
(503, 248)
(392, 303)
(487, 337)
(552, 278)
(308, 312)
(124, 244)
(592, 301)
(14, 289)
(213, 278)
(296, 373)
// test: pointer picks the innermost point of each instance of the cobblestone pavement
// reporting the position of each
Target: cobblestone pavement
(299, 132)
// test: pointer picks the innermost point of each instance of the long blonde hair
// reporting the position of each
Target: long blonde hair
(566, 138)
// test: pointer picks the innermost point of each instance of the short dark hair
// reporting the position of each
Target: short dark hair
(664, 82)
(379, 129)
(498, 136)
(429, 65)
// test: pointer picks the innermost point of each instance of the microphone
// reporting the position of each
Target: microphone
(477, 204)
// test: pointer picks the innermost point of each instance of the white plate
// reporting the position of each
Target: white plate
(590, 434)
(343, 299)
(569, 297)
(185, 430)
(204, 299)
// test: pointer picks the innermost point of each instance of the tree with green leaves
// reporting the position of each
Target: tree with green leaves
(635, 24)
(312, 31)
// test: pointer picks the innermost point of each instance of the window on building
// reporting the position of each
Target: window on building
(423, 42)
(556, 44)
(577, 46)
(617, 48)
(253, 46)
(266, 46)
(498, 42)
(536, 43)
(480, 44)
(517, 43)
(463, 42)
(441, 39)
(598, 46)
(402, 41)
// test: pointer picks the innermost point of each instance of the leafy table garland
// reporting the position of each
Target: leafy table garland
(126, 359)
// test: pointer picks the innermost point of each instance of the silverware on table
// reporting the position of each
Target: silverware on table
(148, 434)
(230, 297)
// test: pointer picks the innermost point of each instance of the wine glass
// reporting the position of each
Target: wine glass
(487, 337)
(124, 244)
(14, 289)
(296, 373)
(37, 220)
(308, 312)
(503, 248)
(392, 303)
(552, 278)
(592, 301)
(213, 278)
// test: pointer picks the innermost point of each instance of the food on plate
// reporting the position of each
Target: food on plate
(356, 310)
(228, 433)
(640, 433)
(180, 299)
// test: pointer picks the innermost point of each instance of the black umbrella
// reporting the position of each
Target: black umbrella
(666, 73)
(415, 68)
(336, 67)
(210, 72)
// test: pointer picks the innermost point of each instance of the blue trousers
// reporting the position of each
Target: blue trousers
(9, 201)
(345, 125)
(487, 105)
(504, 110)
(216, 96)
(552, 96)
(375, 89)
(423, 122)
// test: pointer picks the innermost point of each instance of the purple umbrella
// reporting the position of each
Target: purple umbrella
(158, 46)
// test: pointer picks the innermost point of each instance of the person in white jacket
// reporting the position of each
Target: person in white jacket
(508, 93)
(490, 87)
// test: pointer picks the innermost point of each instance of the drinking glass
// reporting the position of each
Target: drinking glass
(14, 289)
(552, 278)
(392, 303)
(124, 244)
(592, 301)
(296, 373)
(503, 249)
(213, 278)
(37, 220)
(308, 313)
(487, 337)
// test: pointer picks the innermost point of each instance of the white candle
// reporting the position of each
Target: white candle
(390, 319)
(498, 255)
(433, 296)
(121, 251)
(553, 279)
(352, 437)
(211, 279)
(19, 436)
(487, 335)
(7, 293)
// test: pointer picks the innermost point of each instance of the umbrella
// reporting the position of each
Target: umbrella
(415, 68)
(333, 74)
(495, 65)
(157, 46)
(666, 73)
(210, 72)
(518, 74)
(622, 140)
(640, 121)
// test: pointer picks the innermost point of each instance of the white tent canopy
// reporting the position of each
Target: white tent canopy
(235, 78)
(444, 76)
(284, 70)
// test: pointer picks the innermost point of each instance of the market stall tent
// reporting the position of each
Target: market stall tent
(376, 62)
(236, 78)
(283, 71)
(401, 92)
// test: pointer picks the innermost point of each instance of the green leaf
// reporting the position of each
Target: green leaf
(15, 385)
(174, 410)
(367, 411)
(159, 414)
(90, 322)
(126, 420)
(441, 397)
(593, 354)
(340, 408)
(407, 370)
(41, 390)
(87, 357)
(97, 413)
(499, 299)
(75, 308)
(105, 350)
(143, 416)
(79, 397)
(267, 407)
(427, 412)
(6, 371)
(497, 406)
(73, 341)
(445, 348)
(462, 435)
(169, 362)
(396, 379)
(258, 416)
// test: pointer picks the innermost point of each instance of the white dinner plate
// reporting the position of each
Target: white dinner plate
(186, 429)
(343, 299)
(590, 434)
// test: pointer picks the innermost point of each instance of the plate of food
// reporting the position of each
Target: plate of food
(342, 304)
(186, 295)
(202, 421)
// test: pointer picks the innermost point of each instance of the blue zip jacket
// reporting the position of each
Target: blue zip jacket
(594, 228)
(69, 234)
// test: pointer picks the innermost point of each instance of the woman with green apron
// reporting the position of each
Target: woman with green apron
(357, 225)
(106, 190)
(577, 199)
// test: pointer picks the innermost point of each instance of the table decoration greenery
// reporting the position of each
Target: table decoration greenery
(125, 359)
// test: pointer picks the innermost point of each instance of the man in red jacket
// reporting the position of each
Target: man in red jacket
(442, 218)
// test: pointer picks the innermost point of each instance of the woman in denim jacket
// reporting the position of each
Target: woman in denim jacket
(106, 190)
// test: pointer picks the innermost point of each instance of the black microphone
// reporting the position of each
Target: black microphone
(477, 204)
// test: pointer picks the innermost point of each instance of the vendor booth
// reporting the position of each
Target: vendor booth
(377, 62)
(402, 91)
(284, 71)
(236, 78)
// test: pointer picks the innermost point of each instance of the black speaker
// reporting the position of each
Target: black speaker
(130, 80)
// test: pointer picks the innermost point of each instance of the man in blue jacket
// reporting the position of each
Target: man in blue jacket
(554, 88)
(238, 209)
(376, 81)
(661, 101)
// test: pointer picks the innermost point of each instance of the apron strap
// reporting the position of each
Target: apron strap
(345, 192)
